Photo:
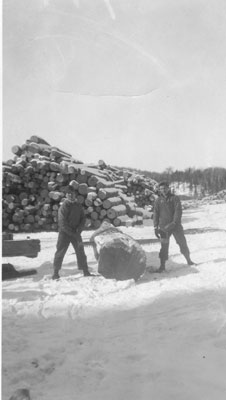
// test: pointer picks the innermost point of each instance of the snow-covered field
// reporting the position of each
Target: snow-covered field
(162, 338)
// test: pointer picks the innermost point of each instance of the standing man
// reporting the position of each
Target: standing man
(71, 221)
(167, 221)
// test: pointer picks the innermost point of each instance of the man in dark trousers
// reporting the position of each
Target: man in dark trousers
(167, 221)
(71, 221)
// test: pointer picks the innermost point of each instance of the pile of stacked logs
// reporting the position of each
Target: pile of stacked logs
(140, 187)
(216, 198)
(36, 179)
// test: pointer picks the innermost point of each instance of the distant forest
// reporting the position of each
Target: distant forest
(201, 181)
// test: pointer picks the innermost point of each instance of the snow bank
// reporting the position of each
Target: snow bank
(92, 338)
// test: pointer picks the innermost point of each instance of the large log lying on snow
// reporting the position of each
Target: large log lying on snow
(15, 248)
(119, 256)
(9, 272)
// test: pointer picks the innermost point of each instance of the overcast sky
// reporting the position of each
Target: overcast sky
(137, 83)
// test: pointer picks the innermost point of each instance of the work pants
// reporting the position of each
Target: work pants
(63, 243)
(178, 234)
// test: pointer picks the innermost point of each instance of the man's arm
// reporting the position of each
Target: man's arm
(156, 218)
(82, 221)
(156, 214)
(177, 211)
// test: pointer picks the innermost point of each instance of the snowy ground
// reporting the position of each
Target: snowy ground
(90, 338)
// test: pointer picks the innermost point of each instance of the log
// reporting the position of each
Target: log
(94, 215)
(72, 176)
(29, 170)
(38, 148)
(15, 248)
(17, 150)
(138, 220)
(139, 211)
(13, 178)
(29, 219)
(57, 153)
(82, 178)
(131, 209)
(111, 214)
(103, 183)
(98, 209)
(29, 209)
(91, 196)
(34, 163)
(111, 201)
(88, 202)
(54, 166)
(52, 186)
(9, 162)
(122, 187)
(38, 139)
(92, 171)
(96, 224)
(92, 180)
(7, 168)
(119, 256)
(43, 165)
(97, 202)
(83, 188)
(74, 184)
(123, 220)
(45, 193)
(102, 164)
(60, 178)
(92, 189)
(17, 168)
(89, 210)
(103, 213)
(64, 167)
(71, 160)
(107, 192)
(9, 198)
(24, 202)
(116, 211)
(57, 196)
(72, 168)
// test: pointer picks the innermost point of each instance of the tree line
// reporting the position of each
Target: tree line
(201, 182)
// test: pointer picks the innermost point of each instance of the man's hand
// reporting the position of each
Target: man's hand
(77, 236)
(157, 232)
(170, 227)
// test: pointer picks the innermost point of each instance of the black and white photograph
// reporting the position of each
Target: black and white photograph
(113, 200)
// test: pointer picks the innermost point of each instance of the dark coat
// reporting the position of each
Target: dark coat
(167, 212)
(71, 218)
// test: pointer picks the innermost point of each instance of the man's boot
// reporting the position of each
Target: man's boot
(56, 275)
(190, 262)
(162, 267)
(188, 259)
(87, 273)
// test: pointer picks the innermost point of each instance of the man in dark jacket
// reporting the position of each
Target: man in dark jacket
(71, 221)
(167, 221)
